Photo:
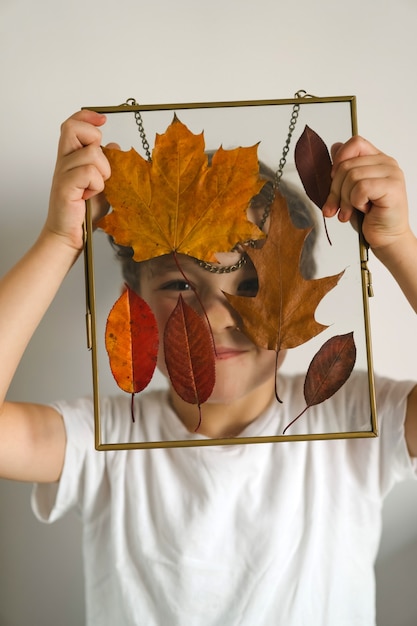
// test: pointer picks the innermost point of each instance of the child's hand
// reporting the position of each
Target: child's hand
(371, 182)
(80, 172)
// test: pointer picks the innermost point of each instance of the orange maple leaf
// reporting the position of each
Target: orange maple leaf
(177, 202)
(281, 315)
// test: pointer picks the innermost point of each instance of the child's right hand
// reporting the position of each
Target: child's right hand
(80, 172)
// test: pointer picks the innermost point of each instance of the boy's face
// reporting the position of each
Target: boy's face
(241, 367)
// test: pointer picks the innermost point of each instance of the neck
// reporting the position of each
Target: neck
(224, 420)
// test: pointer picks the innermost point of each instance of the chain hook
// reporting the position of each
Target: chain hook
(139, 122)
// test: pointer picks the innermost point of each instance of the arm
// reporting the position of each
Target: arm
(32, 437)
(367, 180)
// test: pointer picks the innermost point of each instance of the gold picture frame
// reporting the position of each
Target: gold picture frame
(245, 113)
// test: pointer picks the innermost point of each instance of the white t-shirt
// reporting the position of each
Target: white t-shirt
(281, 534)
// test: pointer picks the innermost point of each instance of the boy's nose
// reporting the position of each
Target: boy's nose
(219, 312)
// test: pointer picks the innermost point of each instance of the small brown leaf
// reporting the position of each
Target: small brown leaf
(189, 354)
(314, 165)
(328, 371)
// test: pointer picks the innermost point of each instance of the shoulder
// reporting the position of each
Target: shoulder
(118, 418)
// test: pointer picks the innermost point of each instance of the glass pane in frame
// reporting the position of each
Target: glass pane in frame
(344, 309)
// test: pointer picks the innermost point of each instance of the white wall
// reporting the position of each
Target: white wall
(56, 57)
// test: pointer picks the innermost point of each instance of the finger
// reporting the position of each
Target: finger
(99, 207)
(378, 192)
(378, 189)
(113, 146)
(345, 157)
(359, 170)
(351, 189)
(355, 147)
(89, 155)
(352, 171)
(78, 184)
(95, 186)
(81, 129)
(80, 176)
(334, 149)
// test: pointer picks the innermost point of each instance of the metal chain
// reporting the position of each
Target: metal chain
(139, 122)
(221, 269)
(286, 148)
(283, 160)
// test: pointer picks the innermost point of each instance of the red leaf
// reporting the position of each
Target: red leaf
(189, 354)
(328, 371)
(330, 368)
(314, 165)
(132, 342)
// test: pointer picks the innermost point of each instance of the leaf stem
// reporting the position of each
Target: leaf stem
(278, 399)
(199, 418)
(132, 407)
(326, 231)
(294, 420)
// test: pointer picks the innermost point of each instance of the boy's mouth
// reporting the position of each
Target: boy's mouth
(224, 352)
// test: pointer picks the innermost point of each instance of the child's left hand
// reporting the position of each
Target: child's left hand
(371, 182)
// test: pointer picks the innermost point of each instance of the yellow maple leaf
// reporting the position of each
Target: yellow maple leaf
(178, 202)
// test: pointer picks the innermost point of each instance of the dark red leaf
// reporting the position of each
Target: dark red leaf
(312, 160)
(314, 165)
(189, 354)
(329, 370)
(132, 342)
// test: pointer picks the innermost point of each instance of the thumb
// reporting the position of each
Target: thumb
(113, 146)
(335, 149)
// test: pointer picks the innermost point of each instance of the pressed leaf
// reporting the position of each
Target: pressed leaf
(177, 202)
(314, 165)
(131, 339)
(189, 354)
(329, 370)
(281, 315)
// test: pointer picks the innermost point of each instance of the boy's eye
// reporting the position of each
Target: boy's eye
(248, 287)
(176, 285)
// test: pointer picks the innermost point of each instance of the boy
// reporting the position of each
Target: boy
(271, 534)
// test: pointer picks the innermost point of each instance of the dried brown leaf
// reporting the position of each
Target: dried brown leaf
(281, 315)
